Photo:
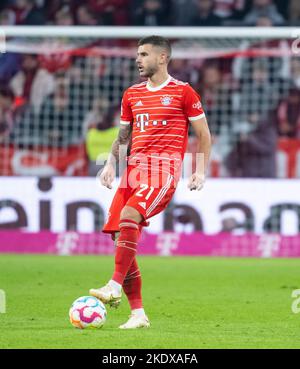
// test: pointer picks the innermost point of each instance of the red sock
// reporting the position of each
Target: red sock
(133, 286)
(126, 249)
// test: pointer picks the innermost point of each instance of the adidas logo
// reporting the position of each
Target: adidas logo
(139, 103)
(143, 205)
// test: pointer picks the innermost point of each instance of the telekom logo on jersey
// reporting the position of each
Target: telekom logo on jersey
(142, 121)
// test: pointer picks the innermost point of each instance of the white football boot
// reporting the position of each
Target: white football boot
(107, 295)
(136, 321)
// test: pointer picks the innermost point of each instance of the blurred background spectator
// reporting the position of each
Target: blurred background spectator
(85, 16)
(7, 17)
(64, 16)
(295, 72)
(27, 13)
(254, 153)
(9, 65)
(58, 110)
(230, 9)
(257, 97)
(32, 84)
(101, 128)
(216, 94)
(293, 12)
(110, 12)
(152, 13)
(264, 9)
(254, 131)
(288, 114)
(182, 13)
(205, 15)
(180, 69)
(51, 8)
(6, 112)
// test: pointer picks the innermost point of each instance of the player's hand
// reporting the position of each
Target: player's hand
(196, 182)
(107, 176)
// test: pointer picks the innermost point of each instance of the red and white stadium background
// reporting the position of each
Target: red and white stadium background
(69, 161)
(65, 215)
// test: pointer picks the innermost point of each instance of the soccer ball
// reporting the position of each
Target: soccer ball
(87, 312)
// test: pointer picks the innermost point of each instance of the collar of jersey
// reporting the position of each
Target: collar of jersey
(164, 84)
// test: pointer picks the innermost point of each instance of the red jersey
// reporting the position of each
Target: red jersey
(160, 118)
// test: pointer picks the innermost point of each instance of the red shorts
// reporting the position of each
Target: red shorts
(148, 197)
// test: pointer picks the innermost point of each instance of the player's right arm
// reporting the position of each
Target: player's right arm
(118, 149)
(120, 145)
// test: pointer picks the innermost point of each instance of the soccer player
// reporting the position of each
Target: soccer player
(155, 118)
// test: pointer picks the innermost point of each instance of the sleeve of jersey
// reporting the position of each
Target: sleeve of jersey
(192, 105)
(126, 112)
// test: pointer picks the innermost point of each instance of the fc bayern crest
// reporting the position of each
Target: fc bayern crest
(166, 100)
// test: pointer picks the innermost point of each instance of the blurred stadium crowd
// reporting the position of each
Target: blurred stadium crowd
(58, 102)
(151, 12)
(249, 105)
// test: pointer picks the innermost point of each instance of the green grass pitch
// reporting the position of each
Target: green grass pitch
(191, 302)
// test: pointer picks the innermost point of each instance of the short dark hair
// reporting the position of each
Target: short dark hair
(157, 41)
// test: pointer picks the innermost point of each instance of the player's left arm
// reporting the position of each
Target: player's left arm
(202, 133)
(195, 114)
